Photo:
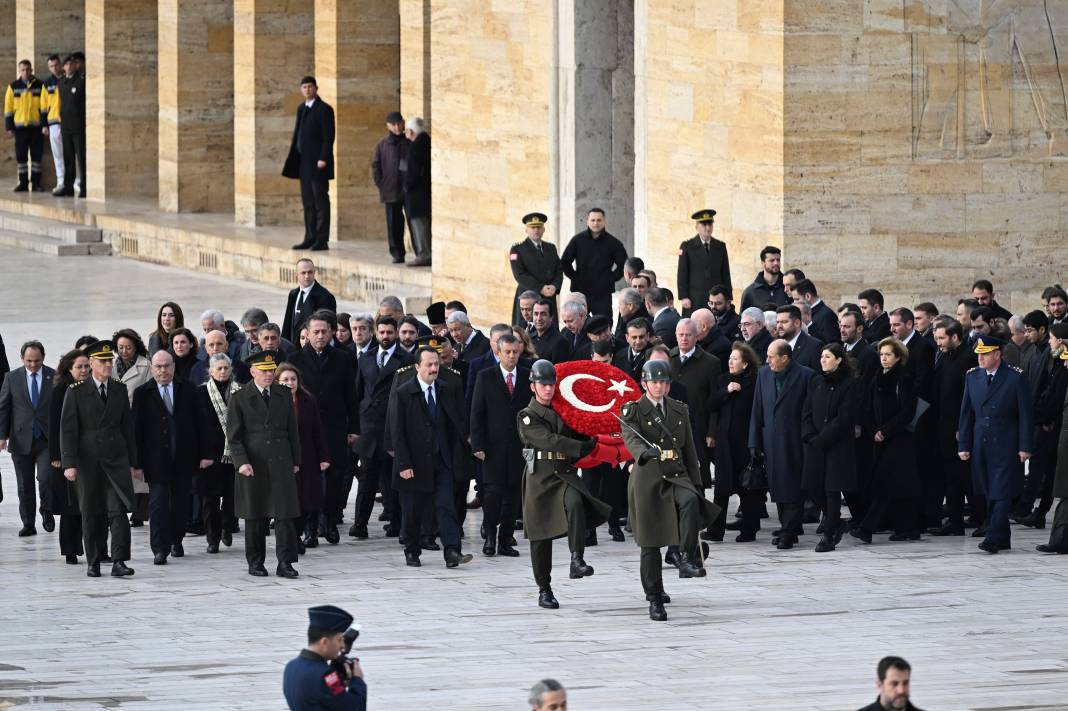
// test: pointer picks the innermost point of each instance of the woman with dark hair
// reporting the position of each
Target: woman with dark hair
(215, 484)
(895, 482)
(314, 454)
(84, 341)
(168, 318)
(184, 348)
(343, 333)
(133, 370)
(73, 368)
(830, 418)
(732, 401)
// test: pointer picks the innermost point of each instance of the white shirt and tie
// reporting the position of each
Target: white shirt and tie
(166, 393)
(384, 354)
(683, 357)
(509, 378)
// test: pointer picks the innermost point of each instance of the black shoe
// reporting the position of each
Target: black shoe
(786, 543)
(48, 522)
(735, 525)
(657, 613)
(672, 558)
(454, 558)
(709, 535)
(320, 247)
(475, 503)
(948, 530)
(301, 548)
(490, 546)
(60, 191)
(94, 570)
(1035, 520)
(303, 245)
(311, 540)
(71, 559)
(392, 531)
(358, 531)
(258, 570)
(25, 531)
(213, 548)
(745, 538)
(411, 559)
(1042, 548)
(664, 598)
(989, 547)
(690, 569)
(427, 543)
(177, 550)
(227, 537)
(579, 569)
(159, 559)
(286, 570)
(81, 193)
(21, 187)
(398, 260)
(776, 539)
(825, 545)
(120, 569)
(616, 533)
(860, 534)
(136, 523)
(979, 532)
(547, 600)
(510, 542)
(591, 537)
(507, 551)
(332, 536)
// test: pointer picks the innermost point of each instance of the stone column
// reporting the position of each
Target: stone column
(196, 106)
(357, 63)
(122, 99)
(273, 48)
(45, 27)
(415, 85)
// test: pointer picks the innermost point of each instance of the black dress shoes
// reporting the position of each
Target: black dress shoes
(1033, 520)
(507, 551)
(579, 569)
(285, 570)
(72, 560)
(657, 613)
(27, 531)
(177, 550)
(159, 559)
(332, 536)
(690, 569)
(861, 534)
(664, 598)
(94, 570)
(672, 558)
(735, 525)
(745, 538)
(786, 543)
(547, 600)
(948, 530)
(119, 569)
(48, 522)
(358, 531)
(227, 536)
(320, 247)
(825, 545)
(411, 559)
(989, 547)
(616, 533)
(303, 245)
(428, 543)
(454, 558)
(60, 191)
(489, 548)
(213, 548)
(392, 531)
(257, 570)
(311, 541)
(1041, 548)
(708, 535)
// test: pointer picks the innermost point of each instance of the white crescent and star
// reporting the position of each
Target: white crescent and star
(567, 391)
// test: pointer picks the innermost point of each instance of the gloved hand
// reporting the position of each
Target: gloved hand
(755, 454)
(649, 454)
(588, 446)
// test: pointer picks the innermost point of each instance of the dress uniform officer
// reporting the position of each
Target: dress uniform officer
(702, 263)
(666, 505)
(535, 264)
(97, 446)
(26, 105)
(309, 681)
(995, 433)
(261, 427)
(556, 501)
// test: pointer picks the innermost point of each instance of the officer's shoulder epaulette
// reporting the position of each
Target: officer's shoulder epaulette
(454, 370)
(516, 246)
(75, 384)
(404, 368)
(971, 369)
(626, 408)
(1017, 368)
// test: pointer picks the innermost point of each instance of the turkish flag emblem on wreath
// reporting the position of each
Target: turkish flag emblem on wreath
(588, 397)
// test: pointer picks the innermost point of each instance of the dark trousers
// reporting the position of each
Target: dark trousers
(500, 504)
(721, 496)
(832, 513)
(958, 486)
(601, 304)
(790, 516)
(395, 228)
(997, 521)
(285, 541)
(751, 505)
(95, 527)
(70, 534)
(904, 513)
(315, 195)
(29, 143)
(688, 511)
(375, 475)
(541, 552)
(334, 492)
(73, 160)
(1058, 535)
(413, 510)
(608, 484)
(216, 486)
(168, 508)
(26, 466)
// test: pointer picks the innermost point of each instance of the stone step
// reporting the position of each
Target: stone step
(50, 245)
(62, 231)
(69, 210)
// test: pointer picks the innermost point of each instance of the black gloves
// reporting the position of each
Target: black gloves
(651, 453)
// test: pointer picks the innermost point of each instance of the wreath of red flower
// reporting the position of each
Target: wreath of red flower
(578, 399)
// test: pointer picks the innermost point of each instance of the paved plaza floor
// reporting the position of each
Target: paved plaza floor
(766, 629)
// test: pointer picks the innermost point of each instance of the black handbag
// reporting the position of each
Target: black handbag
(755, 475)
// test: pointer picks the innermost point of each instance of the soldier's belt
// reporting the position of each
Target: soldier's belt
(550, 455)
(667, 455)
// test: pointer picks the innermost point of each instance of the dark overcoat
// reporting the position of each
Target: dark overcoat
(373, 386)
(416, 178)
(893, 405)
(533, 269)
(167, 447)
(948, 390)
(269, 441)
(996, 423)
(775, 430)
(63, 494)
(413, 438)
(700, 374)
(700, 270)
(494, 414)
(319, 297)
(313, 141)
(829, 419)
(732, 414)
(313, 450)
(97, 440)
(331, 380)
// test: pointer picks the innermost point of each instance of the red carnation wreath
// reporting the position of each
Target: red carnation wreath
(588, 397)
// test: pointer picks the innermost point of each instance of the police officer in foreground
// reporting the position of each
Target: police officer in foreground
(310, 681)
(666, 504)
(556, 501)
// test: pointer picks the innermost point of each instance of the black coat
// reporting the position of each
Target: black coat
(921, 365)
(893, 405)
(948, 389)
(318, 298)
(313, 450)
(775, 430)
(313, 141)
(532, 270)
(477, 347)
(824, 324)
(664, 324)
(551, 345)
(385, 166)
(878, 328)
(97, 440)
(72, 103)
(64, 496)
(807, 351)
(621, 323)
(413, 439)
(828, 428)
(760, 293)
(267, 439)
(331, 380)
(701, 269)
(494, 414)
(732, 414)
(760, 344)
(632, 366)
(716, 343)
(372, 393)
(594, 265)
(700, 374)
(730, 324)
(417, 178)
(167, 447)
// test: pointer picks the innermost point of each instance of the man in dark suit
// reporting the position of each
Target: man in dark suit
(865, 361)
(166, 446)
(306, 299)
(805, 349)
(489, 359)
(876, 322)
(417, 186)
(25, 396)
(549, 344)
(703, 263)
(426, 427)
(329, 374)
(710, 336)
(597, 328)
(630, 305)
(311, 160)
(535, 264)
(500, 393)
(470, 342)
(374, 377)
(824, 324)
(631, 359)
(699, 371)
(665, 317)
(575, 317)
(96, 441)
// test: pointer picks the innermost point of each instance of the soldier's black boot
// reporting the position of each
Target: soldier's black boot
(579, 569)
(689, 569)
(120, 570)
(657, 613)
(546, 598)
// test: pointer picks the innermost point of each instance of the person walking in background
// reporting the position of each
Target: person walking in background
(311, 160)
(417, 190)
(390, 158)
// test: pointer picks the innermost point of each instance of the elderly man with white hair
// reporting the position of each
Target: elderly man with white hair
(416, 180)
(470, 342)
(754, 331)
(213, 320)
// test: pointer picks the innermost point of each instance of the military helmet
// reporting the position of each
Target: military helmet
(656, 370)
(543, 372)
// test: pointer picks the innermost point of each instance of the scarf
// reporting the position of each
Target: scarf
(219, 403)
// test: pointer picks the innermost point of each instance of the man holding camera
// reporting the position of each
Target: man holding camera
(322, 676)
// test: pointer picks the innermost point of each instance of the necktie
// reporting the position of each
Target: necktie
(266, 394)
(430, 404)
(540, 252)
(300, 303)
(660, 410)
(35, 390)
(382, 359)
(510, 382)
(685, 358)
(989, 378)
(103, 393)
(167, 402)
(707, 245)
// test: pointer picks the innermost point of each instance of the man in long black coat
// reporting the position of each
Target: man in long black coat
(308, 297)
(824, 324)
(416, 179)
(866, 367)
(167, 453)
(593, 260)
(703, 263)
(699, 371)
(426, 430)
(535, 264)
(311, 160)
(500, 394)
(329, 374)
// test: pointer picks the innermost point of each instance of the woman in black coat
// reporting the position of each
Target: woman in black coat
(184, 350)
(72, 368)
(731, 402)
(895, 482)
(829, 422)
(314, 454)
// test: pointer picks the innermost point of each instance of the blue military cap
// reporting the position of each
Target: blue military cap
(329, 617)
(988, 344)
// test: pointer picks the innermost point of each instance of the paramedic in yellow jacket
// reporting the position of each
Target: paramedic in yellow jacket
(26, 118)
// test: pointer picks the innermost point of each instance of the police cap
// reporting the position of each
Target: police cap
(532, 219)
(329, 617)
(706, 215)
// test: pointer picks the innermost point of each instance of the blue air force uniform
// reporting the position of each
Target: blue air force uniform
(310, 683)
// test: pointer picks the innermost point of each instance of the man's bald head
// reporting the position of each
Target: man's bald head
(215, 342)
(163, 367)
(704, 319)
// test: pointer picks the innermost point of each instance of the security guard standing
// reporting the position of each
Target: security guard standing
(995, 433)
(666, 505)
(26, 106)
(535, 264)
(310, 682)
(703, 263)
(556, 501)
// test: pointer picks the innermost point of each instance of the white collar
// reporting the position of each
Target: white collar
(815, 303)
(307, 289)
(506, 373)
(425, 386)
(688, 354)
(908, 338)
(99, 383)
(469, 337)
(309, 102)
(793, 341)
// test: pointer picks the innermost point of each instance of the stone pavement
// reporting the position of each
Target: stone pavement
(767, 629)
